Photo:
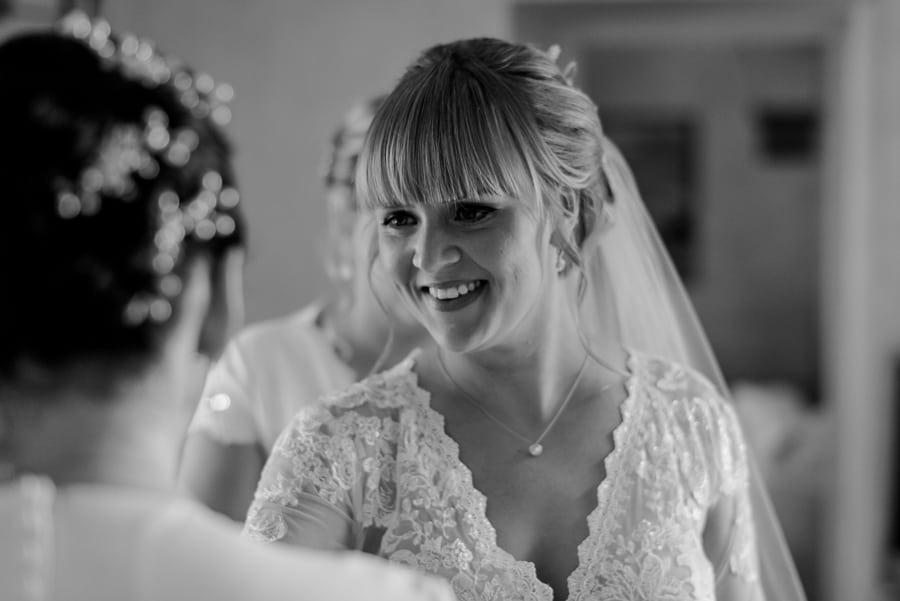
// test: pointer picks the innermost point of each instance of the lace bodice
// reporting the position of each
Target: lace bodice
(373, 468)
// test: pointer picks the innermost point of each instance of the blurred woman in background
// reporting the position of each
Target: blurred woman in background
(122, 244)
(274, 369)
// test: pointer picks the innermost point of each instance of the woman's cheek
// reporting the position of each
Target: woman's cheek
(390, 254)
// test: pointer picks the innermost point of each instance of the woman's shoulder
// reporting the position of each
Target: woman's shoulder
(384, 395)
(683, 393)
(672, 379)
(697, 422)
(161, 534)
(272, 335)
(155, 546)
(689, 402)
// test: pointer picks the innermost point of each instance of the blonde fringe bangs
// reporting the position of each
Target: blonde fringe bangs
(442, 137)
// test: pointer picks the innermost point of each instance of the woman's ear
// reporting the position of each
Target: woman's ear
(225, 315)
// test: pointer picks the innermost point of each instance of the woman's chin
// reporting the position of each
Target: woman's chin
(456, 340)
(406, 326)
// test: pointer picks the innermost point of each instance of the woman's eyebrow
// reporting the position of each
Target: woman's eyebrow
(482, 198)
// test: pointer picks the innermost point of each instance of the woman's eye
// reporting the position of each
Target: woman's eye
(398, 219)
(472, 213)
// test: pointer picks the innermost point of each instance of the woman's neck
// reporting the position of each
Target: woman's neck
(526, 377)
(365, 329)
(130, 441)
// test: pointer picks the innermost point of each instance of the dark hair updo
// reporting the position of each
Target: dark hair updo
(114, 170)
(339, 168)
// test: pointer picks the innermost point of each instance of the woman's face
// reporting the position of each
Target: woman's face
(353, 233)
(373, 285)
(472, 272)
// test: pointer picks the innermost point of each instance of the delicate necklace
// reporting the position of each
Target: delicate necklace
(535, 448)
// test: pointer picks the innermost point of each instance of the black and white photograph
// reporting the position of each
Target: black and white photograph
(475, 300)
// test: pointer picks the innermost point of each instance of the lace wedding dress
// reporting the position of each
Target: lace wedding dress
(373, 468)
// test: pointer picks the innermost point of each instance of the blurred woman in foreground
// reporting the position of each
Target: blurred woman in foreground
(122, 244)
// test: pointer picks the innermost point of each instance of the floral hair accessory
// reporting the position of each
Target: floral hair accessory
(131, 151)
(203, 217)
(569, 71)
(138, 60)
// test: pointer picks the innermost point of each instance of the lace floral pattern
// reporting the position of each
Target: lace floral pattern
(379, 454)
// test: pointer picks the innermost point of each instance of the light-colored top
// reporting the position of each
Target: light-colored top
(375, 464)
(267, 374)
(104, 543)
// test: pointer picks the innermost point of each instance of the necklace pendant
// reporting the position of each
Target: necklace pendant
(535, 449)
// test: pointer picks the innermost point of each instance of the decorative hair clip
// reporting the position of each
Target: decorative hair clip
(569, 71)
(138, 60)
(339, 165)
(137, 150)
(203, 217)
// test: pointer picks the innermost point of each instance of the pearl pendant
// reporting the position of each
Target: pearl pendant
(536, 449)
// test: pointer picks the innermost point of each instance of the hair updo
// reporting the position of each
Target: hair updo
(470, 118)
(342, 155)
(114, 171)
(338, 176)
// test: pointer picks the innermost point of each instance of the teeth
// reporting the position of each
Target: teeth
(451, 293)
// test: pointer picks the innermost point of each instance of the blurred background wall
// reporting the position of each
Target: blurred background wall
(766, 137)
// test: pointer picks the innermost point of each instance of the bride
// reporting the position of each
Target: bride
(569, 437)
(122, 244)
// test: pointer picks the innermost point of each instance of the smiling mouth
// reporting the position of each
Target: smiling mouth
(452, 291)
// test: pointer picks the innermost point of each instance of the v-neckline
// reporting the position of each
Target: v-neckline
(603, 492)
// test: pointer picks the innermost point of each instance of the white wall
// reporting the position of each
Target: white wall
(861, 294)
(296, 67)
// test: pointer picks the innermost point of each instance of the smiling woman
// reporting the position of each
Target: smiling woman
(568, 437)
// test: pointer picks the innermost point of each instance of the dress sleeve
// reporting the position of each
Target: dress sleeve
(309, 489)
(730, 535)
(225, 409)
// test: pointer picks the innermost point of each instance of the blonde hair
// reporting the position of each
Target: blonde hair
(341, 156)
(469, 118)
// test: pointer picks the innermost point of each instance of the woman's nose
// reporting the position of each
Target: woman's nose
(434, 249)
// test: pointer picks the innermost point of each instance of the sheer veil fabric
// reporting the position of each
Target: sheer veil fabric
(641, 299)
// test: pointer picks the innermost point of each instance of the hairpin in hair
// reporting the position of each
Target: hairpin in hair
(137, 150)
(138, 60)
(569, 71)
(203, 217)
